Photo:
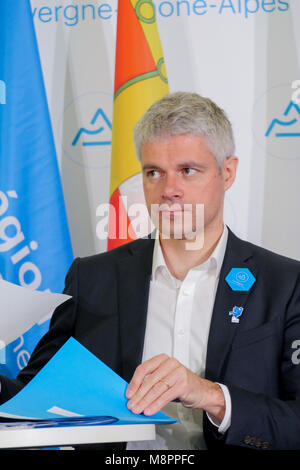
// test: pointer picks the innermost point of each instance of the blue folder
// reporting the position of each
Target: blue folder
(75, 387)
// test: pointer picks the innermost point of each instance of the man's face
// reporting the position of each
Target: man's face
(180, 176)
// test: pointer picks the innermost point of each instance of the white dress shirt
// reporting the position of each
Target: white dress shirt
(178, 322)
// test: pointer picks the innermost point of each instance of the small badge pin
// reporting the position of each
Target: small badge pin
(235, 313)
(240, 279)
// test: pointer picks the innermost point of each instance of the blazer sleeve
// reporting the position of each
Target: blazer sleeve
(61, 329)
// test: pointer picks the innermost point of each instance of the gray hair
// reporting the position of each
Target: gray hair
(186, 113)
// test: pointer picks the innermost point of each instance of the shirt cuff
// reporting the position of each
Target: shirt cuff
(225, 423)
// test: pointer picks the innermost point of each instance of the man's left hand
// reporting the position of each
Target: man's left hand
(163, 379)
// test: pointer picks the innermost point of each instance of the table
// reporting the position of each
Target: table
(26, 435)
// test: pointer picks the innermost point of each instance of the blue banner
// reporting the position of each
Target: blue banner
(35, 246)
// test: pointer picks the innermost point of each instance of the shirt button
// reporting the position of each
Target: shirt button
(185, 292)
(180, 332)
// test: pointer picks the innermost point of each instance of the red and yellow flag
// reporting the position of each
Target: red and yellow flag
(140, 80)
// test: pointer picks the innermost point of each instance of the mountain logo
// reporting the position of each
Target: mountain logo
(84, 134)
(288, 126)
(87, 130)
(276, 123)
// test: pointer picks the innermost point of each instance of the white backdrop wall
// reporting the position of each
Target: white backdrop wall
(243, 54)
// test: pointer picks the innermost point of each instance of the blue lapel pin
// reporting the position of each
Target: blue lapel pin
(236, 313)
(240, 279)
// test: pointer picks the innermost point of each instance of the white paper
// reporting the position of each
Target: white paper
(21, 308)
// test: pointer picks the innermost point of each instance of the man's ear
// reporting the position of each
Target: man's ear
(229, 168)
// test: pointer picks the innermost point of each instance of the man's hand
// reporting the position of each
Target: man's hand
(163, 379)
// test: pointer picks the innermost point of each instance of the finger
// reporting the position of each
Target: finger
(166, 365)
(177, 381)
(139, 406)
(143, 372)
(162, 391)
(160, 402)
(152, 378)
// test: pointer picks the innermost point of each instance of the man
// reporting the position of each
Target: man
(200, 323)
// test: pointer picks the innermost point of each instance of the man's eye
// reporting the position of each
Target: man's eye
(153, 174)
(189, 171)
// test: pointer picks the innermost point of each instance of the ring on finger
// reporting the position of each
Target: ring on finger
(165, 382)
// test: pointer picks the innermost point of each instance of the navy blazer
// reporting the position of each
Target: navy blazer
(254, 358)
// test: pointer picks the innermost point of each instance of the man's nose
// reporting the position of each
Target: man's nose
(172, 189)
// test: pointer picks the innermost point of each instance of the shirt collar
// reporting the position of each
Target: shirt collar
(215, 259)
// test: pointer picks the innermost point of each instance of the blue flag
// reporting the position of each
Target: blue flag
(35, 246)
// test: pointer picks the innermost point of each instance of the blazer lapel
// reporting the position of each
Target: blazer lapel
(222, 330)
(134, 273)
